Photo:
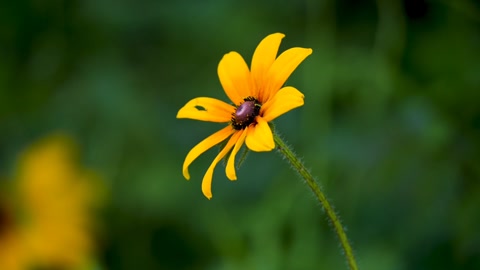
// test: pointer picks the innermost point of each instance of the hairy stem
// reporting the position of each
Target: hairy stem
(285, 150)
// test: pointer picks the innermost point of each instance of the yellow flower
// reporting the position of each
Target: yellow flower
(258, 98)
(54, 198)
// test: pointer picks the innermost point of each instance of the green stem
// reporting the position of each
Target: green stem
(337, 225)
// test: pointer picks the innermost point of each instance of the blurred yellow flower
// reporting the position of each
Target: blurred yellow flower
(52, 221)
(258, 98)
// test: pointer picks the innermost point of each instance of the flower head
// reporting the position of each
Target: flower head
(258, 97)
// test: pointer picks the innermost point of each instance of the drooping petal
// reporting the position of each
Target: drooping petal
(235, 77)
(263, 58)
(207, 178)
(260, 137)
(230, 170)
(282, 68)
(286, 99)
(203, 146)
(207, 109)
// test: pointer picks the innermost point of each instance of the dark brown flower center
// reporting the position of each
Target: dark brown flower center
(245, 113)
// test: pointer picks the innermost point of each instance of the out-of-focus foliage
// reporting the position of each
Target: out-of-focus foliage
(390, 126)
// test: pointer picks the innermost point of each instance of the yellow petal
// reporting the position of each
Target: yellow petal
(260, 137)
(207, 179)
(230, 170)
(207, 109)
(203, 146)
(263, 58)
(284, 100)
(235, 77)
(282, 68)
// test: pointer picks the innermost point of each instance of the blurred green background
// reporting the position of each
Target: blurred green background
(390, 127)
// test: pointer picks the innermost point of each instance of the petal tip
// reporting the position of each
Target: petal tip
(186, 175)
(230, 53)
(232, 177)
(179, 113)
(208, 196)
(278, 34)
(271, 147)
